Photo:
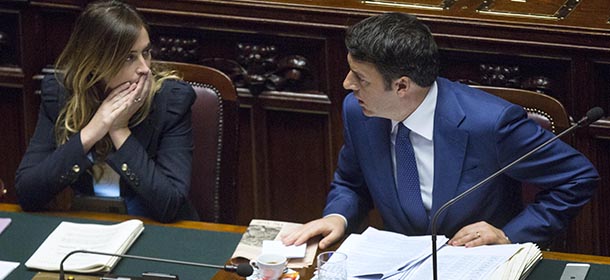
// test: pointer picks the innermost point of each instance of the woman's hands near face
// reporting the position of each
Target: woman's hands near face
(115, 111)
(130, 102)
(105, 116)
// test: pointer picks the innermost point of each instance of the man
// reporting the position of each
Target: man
(458, 136)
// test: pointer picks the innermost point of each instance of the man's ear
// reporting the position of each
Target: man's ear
(403, 85)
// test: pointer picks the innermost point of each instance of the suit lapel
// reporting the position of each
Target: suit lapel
(378, 131)
(449, 147)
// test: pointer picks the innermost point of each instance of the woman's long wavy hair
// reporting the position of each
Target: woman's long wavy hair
(96, 51)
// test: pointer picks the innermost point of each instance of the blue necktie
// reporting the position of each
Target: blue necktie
(407, 180)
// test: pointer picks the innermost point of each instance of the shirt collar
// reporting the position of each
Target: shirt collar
(421, 121)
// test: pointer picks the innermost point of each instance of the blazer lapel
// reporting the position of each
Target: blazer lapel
(449, 148)
(378, 131)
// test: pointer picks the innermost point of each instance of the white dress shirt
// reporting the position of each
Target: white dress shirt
(421, 124)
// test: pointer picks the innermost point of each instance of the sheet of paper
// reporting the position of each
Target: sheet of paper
(472, 263)
(378, 254)
(6, 268)
(277, 247)
(4, 222)
(69, 236)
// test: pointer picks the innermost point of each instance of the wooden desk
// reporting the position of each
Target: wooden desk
(305, 274)
(118, 218)
(178, 245)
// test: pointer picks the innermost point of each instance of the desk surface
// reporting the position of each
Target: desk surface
(188, 241)
(192, 241)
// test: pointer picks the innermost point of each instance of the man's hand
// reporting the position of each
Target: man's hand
(331, 227)
(477, 234)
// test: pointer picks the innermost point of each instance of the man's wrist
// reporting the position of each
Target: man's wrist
(340, 216)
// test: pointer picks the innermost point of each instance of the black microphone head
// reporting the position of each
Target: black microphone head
(244, 270)
(594, 114)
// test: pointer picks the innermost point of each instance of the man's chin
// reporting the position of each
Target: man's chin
(366, 112)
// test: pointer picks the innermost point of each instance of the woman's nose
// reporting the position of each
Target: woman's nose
(143, 66)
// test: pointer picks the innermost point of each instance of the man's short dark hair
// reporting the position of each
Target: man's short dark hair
(398, 45)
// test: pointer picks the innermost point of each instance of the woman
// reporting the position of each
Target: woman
(109, 125)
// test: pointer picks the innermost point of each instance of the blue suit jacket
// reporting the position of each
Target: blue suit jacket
(475, 134)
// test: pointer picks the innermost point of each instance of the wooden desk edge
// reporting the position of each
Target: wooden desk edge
(118, 218)
(575, 257)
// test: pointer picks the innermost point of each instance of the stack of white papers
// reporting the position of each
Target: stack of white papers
(379, 254)
(68, 237)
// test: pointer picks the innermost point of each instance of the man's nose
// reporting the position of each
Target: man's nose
(348, 82)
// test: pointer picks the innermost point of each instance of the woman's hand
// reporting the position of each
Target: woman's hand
(132, 102)
(119, 131)
(105, 116)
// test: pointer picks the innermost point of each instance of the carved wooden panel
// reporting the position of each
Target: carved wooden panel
(259, 63)
(543, 74)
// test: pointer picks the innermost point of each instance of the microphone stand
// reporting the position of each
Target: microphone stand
(242, 269)
(592, 115)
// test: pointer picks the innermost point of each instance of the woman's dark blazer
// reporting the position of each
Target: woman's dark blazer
(154, 163)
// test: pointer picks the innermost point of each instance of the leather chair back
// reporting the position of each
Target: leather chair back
(215, 134)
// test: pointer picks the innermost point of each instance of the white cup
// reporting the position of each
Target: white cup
(270, 266)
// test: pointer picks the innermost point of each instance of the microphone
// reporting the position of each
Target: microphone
(592, 115)
(243, 270)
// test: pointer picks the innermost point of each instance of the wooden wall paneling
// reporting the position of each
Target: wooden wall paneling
(274, 121)
(599, 151)
(10, 146)
(598, 81)
(11, 97)
(247, 195)
(601, 208)
(297, 178)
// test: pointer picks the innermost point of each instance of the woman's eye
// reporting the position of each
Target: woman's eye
(130, 57)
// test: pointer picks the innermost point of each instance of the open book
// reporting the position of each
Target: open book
(260, 232)
(68, 237)
(377, 254)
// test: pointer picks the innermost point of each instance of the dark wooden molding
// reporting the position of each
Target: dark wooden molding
(427, 5)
